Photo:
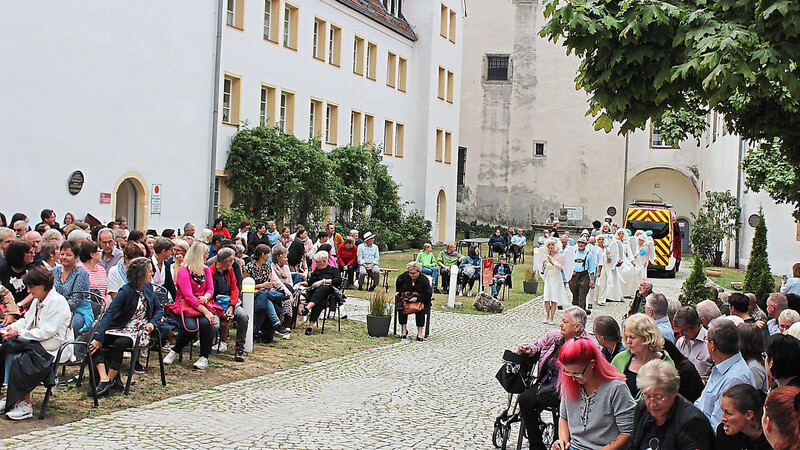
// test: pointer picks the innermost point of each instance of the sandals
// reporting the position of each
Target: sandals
(308, 331)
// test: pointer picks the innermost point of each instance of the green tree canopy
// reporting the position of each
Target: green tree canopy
(670, 61)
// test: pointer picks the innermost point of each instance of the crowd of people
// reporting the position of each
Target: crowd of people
(112, 287)
(671, 377)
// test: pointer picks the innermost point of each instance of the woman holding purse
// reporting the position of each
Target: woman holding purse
(412, 288)
(195, 288)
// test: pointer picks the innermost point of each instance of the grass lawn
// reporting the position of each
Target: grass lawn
(69, 404)
(513, 298)
(730, 274)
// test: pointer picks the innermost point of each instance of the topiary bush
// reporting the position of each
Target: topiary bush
(694, 289)
(758, 278)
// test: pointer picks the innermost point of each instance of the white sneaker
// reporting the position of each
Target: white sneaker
(544, 320)
(2, 405)
(196, 344)
(22, 410)
(221, 347)
(201, 363)
(170, 358)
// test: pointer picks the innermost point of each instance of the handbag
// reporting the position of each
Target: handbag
(412, 307)
(514, 373)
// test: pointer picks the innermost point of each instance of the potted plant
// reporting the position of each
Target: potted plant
(530, 285)
(378, 318)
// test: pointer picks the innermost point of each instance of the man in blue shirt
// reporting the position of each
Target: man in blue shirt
(583, 276)
(518, 242)
(656, 307)
(729, 369)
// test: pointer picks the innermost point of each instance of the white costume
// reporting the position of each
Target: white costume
(641, 261)
(553, 285)
(613, 250)
(597, 294)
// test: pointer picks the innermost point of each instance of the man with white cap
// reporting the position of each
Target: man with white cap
(368, 258)
(583, 275)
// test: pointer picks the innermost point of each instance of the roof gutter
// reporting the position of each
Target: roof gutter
(215, 110)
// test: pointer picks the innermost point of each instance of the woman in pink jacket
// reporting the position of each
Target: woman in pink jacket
(195, 288)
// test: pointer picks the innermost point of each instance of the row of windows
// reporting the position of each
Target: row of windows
(447, 82)
(323, 117)
(447, 28)
(444, 146)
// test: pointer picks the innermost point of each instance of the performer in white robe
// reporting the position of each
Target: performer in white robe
(626, 272)
(641, 260)
(554, 292)
(613, 250)
(600, 290)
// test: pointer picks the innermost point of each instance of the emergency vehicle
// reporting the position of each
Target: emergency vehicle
(661, 220)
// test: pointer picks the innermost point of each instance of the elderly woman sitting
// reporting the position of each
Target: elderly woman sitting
(644, 344)
(322, 281)
(135, 308)
(665, 415)
(412, 288)
(259, 269)
(43, 329)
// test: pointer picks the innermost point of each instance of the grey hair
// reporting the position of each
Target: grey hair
(49, 249)
(648, 282)
(23, 222)
(321, 255)
(225, 254)
(353, 231)
(658, 373)
(77, 235)
(137, 272)
(672, 308)
(182, 244)
(50, 233)
(780, 300)
(186, 227)
(577, 314)
(414, 265)
(104, 230)
(5, 231)
(239, 249)
(789, 314)
(659, 304)
(708, 310)
(277, 252)
(119, 232)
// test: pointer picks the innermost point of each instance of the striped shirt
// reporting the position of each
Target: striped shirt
(97, 278)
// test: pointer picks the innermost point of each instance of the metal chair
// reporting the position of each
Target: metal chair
(507, 283)
(155, 338)
(337, 312)
(427, 319)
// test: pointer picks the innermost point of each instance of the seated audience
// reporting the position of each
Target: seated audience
(18, 257)
(776, 304)
(220, 228)
(273, 234)
(134, 309)
(707, 310)
(417, 289)
(326, 247)
(195, 287)
(226, 294)
(162, 267)
(781, 420)
(257, 238)
(90, 262)
(500, 274)
(43, 329)
(754, 310)
(69, 218)
(751, 346)
(783, 353)
(285, 239)
(447, 258)
(214, 245)
(469, 270)
(606, 331)
(665, 415)
(35, 240)
(729, 369)
(592, 389)
(51, 254)
(657, 308)
(116, 275)
(321, 282)
(497, 242)
(243, 232)
(264, 308)
(9, 312)
(644, 343)
(740, 428)
(691, 383)
(283, 281)
(693, 341)
(368, 260)
(740, 304)
(71, 278)
(110, 253)
(518, 242)
(543, 393)
(297, 252)
(347, 256)
(794, 330)
(429, 266)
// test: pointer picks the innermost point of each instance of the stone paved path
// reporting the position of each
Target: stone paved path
(438, 394)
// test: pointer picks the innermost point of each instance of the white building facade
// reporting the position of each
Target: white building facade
(159, 103)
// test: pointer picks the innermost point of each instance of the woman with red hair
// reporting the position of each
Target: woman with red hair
(781, 420)
(596, 406)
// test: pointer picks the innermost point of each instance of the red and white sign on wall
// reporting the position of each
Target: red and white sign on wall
(105, 198)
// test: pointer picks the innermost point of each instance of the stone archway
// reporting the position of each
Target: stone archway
(440, 227)
(131, 200)
(671, 185)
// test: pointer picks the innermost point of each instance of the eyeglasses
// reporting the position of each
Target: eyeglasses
(658, 398)
(576, 374)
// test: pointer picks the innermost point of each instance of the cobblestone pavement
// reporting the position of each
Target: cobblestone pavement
(438, 394)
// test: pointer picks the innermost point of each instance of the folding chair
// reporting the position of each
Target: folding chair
(98, 308)
(427, 320)
(87, 359)
(337, 312)
(506, 283)
(155, 338)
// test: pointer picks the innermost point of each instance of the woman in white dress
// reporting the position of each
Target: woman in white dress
(600, 291)
(554, 292)
(641, 260)
(626, 272)
(613, 250)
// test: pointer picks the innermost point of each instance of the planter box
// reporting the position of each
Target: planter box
(713, 272)
(378, 326)
(530, 287)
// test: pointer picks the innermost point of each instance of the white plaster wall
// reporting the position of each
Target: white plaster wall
(504, 181)
(257, 61)
(106, 88)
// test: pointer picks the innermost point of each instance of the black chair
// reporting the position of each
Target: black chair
(155, 341)
(427, 319)
(507, 283)
(334, 298)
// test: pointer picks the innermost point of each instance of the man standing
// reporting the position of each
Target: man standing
(48, 218)
(729, 369)
(368, 258)
(550, 220)
(776, 303)
(257, 238)
(188, 230)
(110, 253)
(334, 238)
(122, 221)
(708, 312)
(583, 276)
(272, 233)
(693, 342)
(656, 307)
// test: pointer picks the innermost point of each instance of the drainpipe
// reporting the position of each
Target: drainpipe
(215, 110)
(625, 173)
(739, 197)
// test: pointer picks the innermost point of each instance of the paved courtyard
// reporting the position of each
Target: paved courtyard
(438, 394)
